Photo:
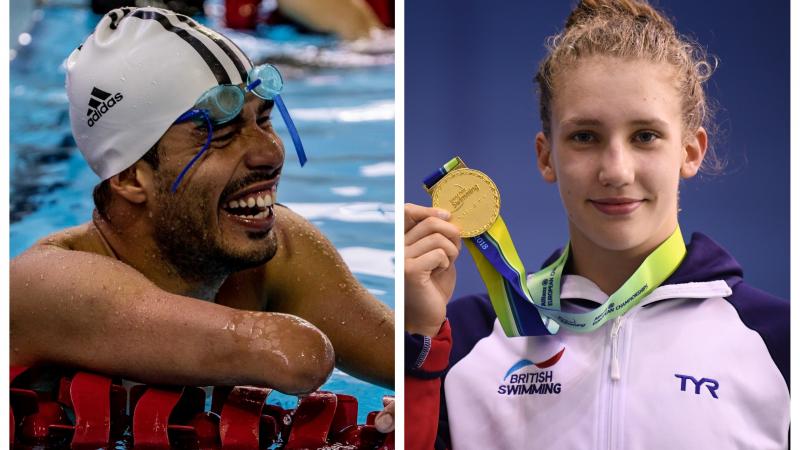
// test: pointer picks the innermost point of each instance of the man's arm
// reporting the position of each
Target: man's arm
(89, 311)
(313, 282)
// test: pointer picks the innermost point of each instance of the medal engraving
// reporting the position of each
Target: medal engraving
(472, 199)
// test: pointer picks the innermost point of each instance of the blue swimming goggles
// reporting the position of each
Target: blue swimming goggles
(222, 103)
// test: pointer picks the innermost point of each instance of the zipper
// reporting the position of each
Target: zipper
(615, 371)
(615, 375)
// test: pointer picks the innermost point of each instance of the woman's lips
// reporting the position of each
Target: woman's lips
(616, 206)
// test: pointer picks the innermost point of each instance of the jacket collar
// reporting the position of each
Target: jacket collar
(706, 271)
(578, 287)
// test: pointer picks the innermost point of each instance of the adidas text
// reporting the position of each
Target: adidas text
(99, 104)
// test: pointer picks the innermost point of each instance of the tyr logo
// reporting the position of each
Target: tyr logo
(712, 385)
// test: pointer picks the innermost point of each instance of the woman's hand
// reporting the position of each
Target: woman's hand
(431, 246)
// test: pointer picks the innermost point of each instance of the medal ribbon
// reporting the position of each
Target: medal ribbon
(532, 306)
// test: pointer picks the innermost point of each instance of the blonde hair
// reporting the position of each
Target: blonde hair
(629, 29)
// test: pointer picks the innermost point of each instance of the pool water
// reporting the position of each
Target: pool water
(345, 117)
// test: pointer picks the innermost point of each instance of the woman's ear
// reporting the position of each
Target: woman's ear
(694, 150)
(134, 183)
(544, 158)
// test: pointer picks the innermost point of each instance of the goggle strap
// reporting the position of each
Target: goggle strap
(253, 85)
(200, 153)
(188, 115)
(298, 144)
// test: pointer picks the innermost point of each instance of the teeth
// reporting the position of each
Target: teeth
(260, 215)
(263, 200)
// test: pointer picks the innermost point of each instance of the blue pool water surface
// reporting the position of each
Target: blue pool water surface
(345, 117)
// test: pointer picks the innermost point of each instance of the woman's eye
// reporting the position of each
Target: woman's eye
(646, 137)
(582, 137)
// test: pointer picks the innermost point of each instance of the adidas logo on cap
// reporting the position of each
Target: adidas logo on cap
(99, 103)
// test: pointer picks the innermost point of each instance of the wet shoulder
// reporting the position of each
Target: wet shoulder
(295, 233)
(84, 237)
(304, 255)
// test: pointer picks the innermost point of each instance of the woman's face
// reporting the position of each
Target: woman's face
(617, 151)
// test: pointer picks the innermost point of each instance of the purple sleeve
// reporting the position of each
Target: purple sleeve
(769, 317)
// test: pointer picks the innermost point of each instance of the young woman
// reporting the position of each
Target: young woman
(695, 358)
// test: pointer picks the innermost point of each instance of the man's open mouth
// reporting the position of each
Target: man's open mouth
(253, 208)
(254, 205)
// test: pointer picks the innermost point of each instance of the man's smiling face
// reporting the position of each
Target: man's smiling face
(220, 218)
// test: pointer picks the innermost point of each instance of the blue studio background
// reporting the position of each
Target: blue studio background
(469, 69)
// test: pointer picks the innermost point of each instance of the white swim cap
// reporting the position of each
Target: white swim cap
(135, 75)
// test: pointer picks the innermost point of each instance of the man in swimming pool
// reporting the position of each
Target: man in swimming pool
(187, 210)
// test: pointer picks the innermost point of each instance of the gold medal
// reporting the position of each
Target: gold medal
(472, 199)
